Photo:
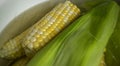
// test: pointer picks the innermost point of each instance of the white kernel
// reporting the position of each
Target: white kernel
(71, 12)
(35, 30)
(40, 32)
(33, 39)
(57, 29)
(29, 37)
(52, 20)
(32, 33)
(63, 15)
(51, 23)
(49, 17)
(59, 12)
(30, 45)
(65, 20)
(43, 37)
(46, 39)
(48, 25)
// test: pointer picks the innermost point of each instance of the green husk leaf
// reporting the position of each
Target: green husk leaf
(83, 42)
(85, 47)
(112, 55)
(87, 5)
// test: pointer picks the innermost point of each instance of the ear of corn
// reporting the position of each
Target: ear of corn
(112, 54)
(83, 42)
(13, 48)
(49, 26)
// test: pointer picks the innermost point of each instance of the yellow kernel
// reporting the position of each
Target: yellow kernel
(56, 29)
(37, 35)
(48, 31)
(46, 39)
(27, 42)
(40, 40)
(49, 37)
(42, 43)
(52, 26)
(30, 45)
(52, 13)
(43, 23)
(59, 27)
(36, 45)
(53, 33)
(42, 29)
(46, 34)
(71, 5)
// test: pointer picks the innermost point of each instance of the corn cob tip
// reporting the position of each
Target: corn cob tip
(10, 50)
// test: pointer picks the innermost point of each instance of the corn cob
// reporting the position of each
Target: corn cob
(49, 26)
(83, 42)
(20, 62)
(13, 48)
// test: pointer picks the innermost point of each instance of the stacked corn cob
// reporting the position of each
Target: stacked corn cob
(49, 26)
(39, 34)
(13, 49)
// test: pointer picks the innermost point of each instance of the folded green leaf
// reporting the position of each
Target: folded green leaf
(86, 5)
(112, 55)
(86, 46)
